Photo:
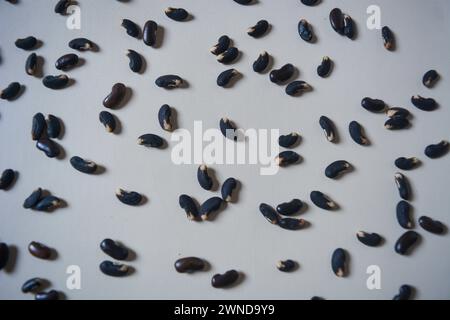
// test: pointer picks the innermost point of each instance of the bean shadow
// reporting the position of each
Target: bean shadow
(215, 182)
(12, 260)
(214, 215)
(39, 44)
(62, 130)
(240, 280)
(160, 33)
(144, 201)
(118, 129)
(62, 152)
(269, 65)
(70, 83)
(100, 170)
(131, 270)
(144, 65)
(39, 72)
(53, 255)
(234, 80)
(174, 119)
(132, 256)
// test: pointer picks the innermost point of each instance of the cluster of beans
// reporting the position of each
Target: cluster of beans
(44, 131)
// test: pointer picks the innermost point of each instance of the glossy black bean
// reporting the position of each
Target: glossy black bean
(51, 295)
(50, 148)
(349, 27)
(286, 265)
(259, 29)
(357, 134)
(397, 112)
(369, 239)
(310, 3)
(222, 45)
(33, 199)
(431, 225)
(32, 285)
(209, 206)
(114, 249)
(407, 163)
(4, 255)
(38, 126)
(189, 206)
(53, 127)
(67, 62)
(324, 69)
(269, 213)
(388, 38)
(287, 158)
(136, 62)
(108, 120)
(328, 128)
(189, 265)
(56, 82)
(291, 223)
(373, 105)
(283, 74)
(405, 243)
(225, 77)
(151, 140)
(337, 20)
(149, 33)
(430, 78)
(290, 208)
(177, 14)
(339, 262)
(434, 151)
(225, 280)
(424, 104)
(397, 123)
(131, 27)
(116, 96)
(287, 141)
(404, 293)
(11, 91)
(82, 165)
(297, 88)
(228, 56)
(322, 201)
(81, 44)
(31, 64)
(337, 169)
(228, 129)
(169, 81)
(203, 178)
(61, 7)
(261, 63)
(39, 250)
(48, 203)
(130, 198)
(28, 43)
(165, 117)
(227, 189)
(305, 30)
(403, 186)
(113, 269)
(243, 2)
(403, 211)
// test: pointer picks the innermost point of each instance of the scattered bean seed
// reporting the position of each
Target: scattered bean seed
(149, 33)
(305, 30)
(32, 285)
(67, 62)
(203, 178)
(339, 262)
(430, 78)
(397, 123)
(322, 201)
(286, 265)
(225, 280)
(228, 56)
(169, 81)
(373, 105)
(33, 199)
(49, 147)
(53, 127)
(136, 61)
(227, 189)
(81, 44)
(48, 203)
(113, 269)
(283, 74)
(337, 169)
(259, 29)
(61, 7)
(114, 249)
(28, 43)
(165, 117)
(406, 242)
(407, 163)
(269, 213)
(404, 215)
(397, 112)
(222, 45)
(116, 96)
(82, 165)
(434, 151)
(130, 198)
(56, 82)
(209, 206)
(324, 69)
(287, 158)
(290, 208)
(131, 27)
(297, 88)
(291, 223)
(369, 239)
(38, 127)
(261, 63)
(177, 14)
(403, 186)
(189, 206)
(328, 128)
(431, 225)
(404, 293)
(349, 27)
(424, 104)
(388, 37)
(39, 250)
(10, 92)
(108, 120)
(224, 78)
(47, 296)
(189, 265)
(228, 129)
(357, 134)
(287, 141)
(337, 20)
(151, 140)
(31, 64)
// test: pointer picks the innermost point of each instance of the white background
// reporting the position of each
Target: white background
(240, 237)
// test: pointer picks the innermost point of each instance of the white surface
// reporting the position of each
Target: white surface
(240, 238)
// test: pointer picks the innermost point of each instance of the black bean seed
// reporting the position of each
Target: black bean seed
(434, 151)
(397, 112)
(406, 242)
(7, 178)
(291, 223)
(222, 45)
(164, 118)
(224, 78)
(228, 56)
(337, 169)
(130, 198)
(31, 64)
(227, 189)
(81, 44)
(305, 30)
(33, 199)
(108, 120)
(116, 96)
(373, 105)
(357, 134)
(310, 3)
(203, 178)
(259, 29)
(404, 219)
(328, 128)
(228, 129)
(339, 262)
(136, 62)
(113, 269)
(297, 88)
(286, 265)
(149, 33)
(287, 158)
(131, 27)
(67, 62)
(11, 91)
(261, 63)
(322, 201)
(177, 14)
(189, 265)
(316, 298)
(424, 104)
(189, 206)
(287, 141)
(397, 123)
(431, 225)
(114, 249)
(169, 81)
(4, 255)
(151, 140)
(269, 213)
(38, 126)
(324, 69)
(225, 280)
(403, 186)
(388, 37)
(50, 148)
(290, 208)
(53, 127)
(430, 78)
(244, 2)
(39, 250)
(82, 165)
(27, 43)
(51, 295)
(369, 239)
(337, 20)
(48, 203)
(407, 163)
(32, 285)
(56, 82)
(61, 7)
(209, 206)
(349, 27)
(283, 74)
(404, 293)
